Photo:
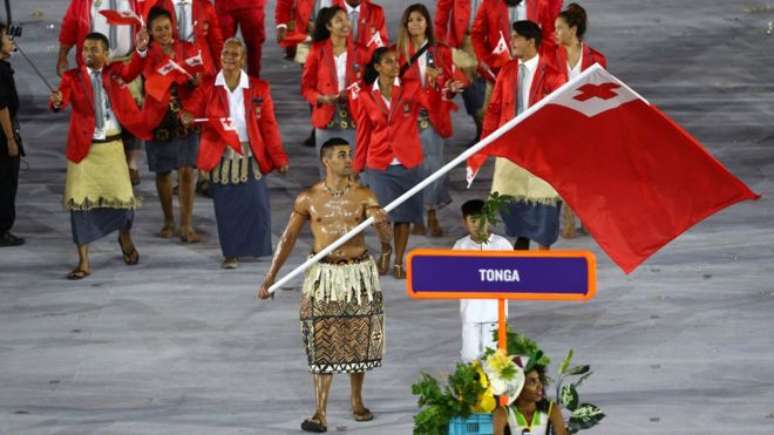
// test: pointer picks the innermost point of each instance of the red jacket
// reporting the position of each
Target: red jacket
(207, 33)
(492, 19)
(442, 58)
(589, 57)
(155, 110)
(77, 91)
(233, 5)
(319, 77)
(299, 11)
(76, 24)
(211, 101)
(452, 21)
(502, 106)
(370, 21)
(384, 134)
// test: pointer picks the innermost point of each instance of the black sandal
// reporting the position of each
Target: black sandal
(310, 425)
(131, 256)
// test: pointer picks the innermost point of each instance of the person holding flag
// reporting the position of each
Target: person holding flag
(173, 69)
(240, 145)
(119, 21)
(425, 62)
(369, 26)
(98, 192)
(389, 147)
(534, 215)
(573, 56)
(335, 64)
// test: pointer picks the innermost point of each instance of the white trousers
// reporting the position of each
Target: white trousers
(476, 337)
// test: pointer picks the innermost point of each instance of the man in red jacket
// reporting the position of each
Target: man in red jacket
(98, 192)
(369, 27)
(249, 16)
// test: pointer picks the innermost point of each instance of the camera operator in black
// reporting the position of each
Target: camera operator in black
(11, 148)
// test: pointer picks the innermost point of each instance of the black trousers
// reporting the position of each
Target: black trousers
(9, 183)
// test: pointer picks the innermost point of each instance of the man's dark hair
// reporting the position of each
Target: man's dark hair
(528, 30)
(472, 207)
(96, 36)
(330, 143)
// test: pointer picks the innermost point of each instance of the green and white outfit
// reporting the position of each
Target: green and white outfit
(540, 424)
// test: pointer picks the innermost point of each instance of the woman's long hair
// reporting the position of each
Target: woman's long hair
(155, 13)
(575, 16)
(324, 17)
(371, 74)
(403, 34)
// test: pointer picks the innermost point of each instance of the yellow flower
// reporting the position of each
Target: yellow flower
(482, 378)
(498, 361)
(486, 403)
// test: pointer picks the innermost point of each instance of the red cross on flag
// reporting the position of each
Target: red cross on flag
(157, 84)
(225, 128)
(122, 18)
(635, 178)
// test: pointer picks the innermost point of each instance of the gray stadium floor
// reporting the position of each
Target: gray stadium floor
(176, 345)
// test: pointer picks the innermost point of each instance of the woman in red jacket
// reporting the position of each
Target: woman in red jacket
(334, 64)
(426, 63)
(389, 148)
(573, 56)
(173, 146)
(237, 186)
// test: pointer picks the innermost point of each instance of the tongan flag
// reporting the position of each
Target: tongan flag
(122, 18)
(158, 83)
(501, 53)
(635, 178)
(226, 130)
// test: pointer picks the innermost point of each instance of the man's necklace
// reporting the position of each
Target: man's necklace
(336, 194)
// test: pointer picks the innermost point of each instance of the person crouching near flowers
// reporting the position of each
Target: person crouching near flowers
(531, 413)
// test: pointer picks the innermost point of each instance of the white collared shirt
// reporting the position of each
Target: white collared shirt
(341, 70)
(124, 35)
(388, 103)
(111, 126)
(236, 103)
(573, 72)
(188, 16)
(531, 65)
(422, 62)
(481, 310)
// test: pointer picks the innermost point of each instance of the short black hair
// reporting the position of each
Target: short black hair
(528, 30)
(96, 36)
(472, 207)
(157, 12)
(330, 143)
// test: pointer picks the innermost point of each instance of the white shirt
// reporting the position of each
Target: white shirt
(517, 13)
(341, 70)
(124, 35)
(111, 126)
(188, 4)
(575, 72)
(481, 310)
(422, 62)
(523, 93)
(236, 103)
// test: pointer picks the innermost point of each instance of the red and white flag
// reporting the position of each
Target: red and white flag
(375, 41)
(195, 64)
(225, 129)
(158, 83)
(122, 18)
(635, 178)
(501, 54)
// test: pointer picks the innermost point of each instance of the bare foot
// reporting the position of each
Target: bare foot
(188, 235)
(168, 231)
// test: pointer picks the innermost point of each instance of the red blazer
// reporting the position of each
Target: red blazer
(502, 106)
(492, 18)
(371, 20)
(211, 101)
(77, 91)
(384, 134)
(155, 110)
(589, 57)
(76, 24)
(206, 28)
(452, 19)
(233, 5)
(298, 10)
(319, 77)
(439, 114)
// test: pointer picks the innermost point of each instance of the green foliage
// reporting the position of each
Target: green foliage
(566, 362)
(578, 370)
(568, 397)
(492, 207)
(585, 417)
(519, 344)
(439, 405)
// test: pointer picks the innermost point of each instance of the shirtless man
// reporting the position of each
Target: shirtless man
(342, 319)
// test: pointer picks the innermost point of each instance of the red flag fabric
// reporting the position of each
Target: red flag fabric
(226, 130)
(158, 83)
(292, 39)
(121, 18)
(635, 178)
(501, 53)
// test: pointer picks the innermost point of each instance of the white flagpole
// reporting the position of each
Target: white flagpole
(436, 175)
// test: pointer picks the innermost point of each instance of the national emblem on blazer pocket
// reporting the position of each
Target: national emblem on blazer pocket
(257, 104)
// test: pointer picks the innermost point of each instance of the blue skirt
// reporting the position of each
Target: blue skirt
(394, 182)
(436, 195)
(243, 217)
(537, 222)
(90, 225)
(169, 156)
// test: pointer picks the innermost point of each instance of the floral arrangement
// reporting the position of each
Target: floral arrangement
(475, 387)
